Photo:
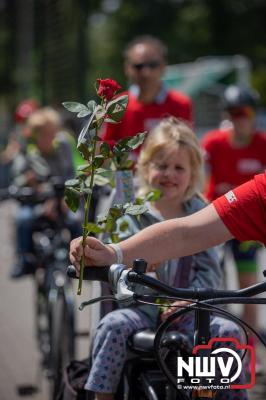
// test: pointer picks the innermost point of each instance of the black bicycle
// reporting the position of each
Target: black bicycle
(54, 296)
(161, 348)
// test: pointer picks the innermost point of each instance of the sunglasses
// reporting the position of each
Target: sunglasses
(241, 112)
(149, 64)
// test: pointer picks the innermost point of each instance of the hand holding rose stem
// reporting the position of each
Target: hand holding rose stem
(87, 145)
(162, 241)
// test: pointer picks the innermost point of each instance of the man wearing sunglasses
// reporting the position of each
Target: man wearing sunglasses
(233, 156)
(149, 100)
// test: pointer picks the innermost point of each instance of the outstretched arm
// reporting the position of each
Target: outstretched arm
(162, 241)
(176, 237)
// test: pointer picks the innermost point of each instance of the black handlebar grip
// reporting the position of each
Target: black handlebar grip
(139, 265)
(90, 273)
(71, 272)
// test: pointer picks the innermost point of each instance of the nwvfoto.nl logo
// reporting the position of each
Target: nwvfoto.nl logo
(220, 366)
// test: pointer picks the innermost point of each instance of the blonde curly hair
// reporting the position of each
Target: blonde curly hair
(168, 133)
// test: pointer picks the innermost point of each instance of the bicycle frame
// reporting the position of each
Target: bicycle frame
(54, 300)
(203, 300)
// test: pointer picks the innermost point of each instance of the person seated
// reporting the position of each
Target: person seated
(170, 161)
(47, 155)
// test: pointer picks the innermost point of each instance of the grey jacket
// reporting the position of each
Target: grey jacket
(58, 163)
(201, 270)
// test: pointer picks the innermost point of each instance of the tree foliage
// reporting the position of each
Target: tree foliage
(76, 41)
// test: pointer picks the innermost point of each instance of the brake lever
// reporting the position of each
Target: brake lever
(117, 277)
(96, 300)
(119, 284)
(123, 293)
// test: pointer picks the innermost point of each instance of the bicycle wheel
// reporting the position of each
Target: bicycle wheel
(62, 337)
(42, 320)
(169, 366)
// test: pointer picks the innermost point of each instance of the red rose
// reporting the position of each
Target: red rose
(107, 88)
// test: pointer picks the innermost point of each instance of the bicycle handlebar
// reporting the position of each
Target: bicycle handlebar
(113, 275)
(195, 293)
(90, 274)
(22, 194)
(28, 194)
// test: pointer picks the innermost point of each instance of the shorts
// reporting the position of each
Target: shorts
(244, 255)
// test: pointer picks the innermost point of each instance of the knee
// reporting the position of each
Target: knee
(113, 323)
(113, 328)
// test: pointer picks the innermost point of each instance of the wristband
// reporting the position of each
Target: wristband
(118, 252)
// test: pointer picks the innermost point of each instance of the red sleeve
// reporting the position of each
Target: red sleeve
(243, 210)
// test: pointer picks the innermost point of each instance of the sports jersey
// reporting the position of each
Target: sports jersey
(230, 166)
(243, 210)
(140, 117)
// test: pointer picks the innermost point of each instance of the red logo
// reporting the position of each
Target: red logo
(238, 346)
(217, 368)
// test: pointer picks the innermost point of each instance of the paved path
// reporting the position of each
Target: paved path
(20, 359)
(18, 352)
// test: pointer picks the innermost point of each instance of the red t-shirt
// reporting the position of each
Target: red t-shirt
(243, 210)
(230, 166)
(140, 117)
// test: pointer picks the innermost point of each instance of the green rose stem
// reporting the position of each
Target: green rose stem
(110, 110)
(86, 214)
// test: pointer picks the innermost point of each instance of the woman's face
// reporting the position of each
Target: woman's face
(170, 171)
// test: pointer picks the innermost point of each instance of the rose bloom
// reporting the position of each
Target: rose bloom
(107, 88)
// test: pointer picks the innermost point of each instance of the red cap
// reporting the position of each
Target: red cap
(25, 109)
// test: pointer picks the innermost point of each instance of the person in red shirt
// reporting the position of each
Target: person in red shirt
(243, 210)
(234, 153)
(149, 100)
(240, 213)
